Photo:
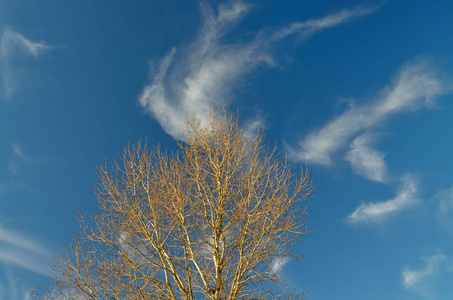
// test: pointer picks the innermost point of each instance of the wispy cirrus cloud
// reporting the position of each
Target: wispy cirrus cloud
(13, 41)
(203, 75)
(19, 250)
(444, 200)
(17, 149)
(14, 44)
(434, 276)
(13, 288)
(307, 28)
(19, 158)
(365, 160)
(25, 260)
(416, 86)
(378, 211)
(18, 240)
(253, 126)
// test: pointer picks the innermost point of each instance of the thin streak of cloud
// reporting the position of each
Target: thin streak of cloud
(17, 149)
(416, 86)
(12, 40)
(19, 159)
(19, 250)
(304, 29)
(18, 240)
(365, 160)
(13, 43)
(24, 260)
(203, 75)
(378, 211)
(23, 156)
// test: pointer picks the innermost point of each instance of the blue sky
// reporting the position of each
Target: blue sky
(361, 91)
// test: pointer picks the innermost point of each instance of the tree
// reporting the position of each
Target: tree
(213, 221)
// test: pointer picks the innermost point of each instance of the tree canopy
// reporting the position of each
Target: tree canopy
(215, 220)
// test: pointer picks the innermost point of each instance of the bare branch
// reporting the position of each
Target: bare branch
(206, 222)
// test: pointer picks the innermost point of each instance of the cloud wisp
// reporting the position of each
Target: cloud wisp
(12, 44)
(17, 149)
(203, 75)
(411, 277)
(19, 250)
(307, 28)
(365, 160)
(19, 159)
(13, 288)
(427, 281)
(444, 200)
(17, 240)
(278, 264)
(415, 86)
(377, 211)
(13, 40)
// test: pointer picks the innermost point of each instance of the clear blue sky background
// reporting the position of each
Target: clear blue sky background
(361, 91)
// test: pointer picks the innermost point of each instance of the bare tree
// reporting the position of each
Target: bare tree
(212, 221)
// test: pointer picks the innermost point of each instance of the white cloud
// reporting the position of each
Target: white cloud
(18, 240)
(278, 264)
(14, 43)
(253, 126)
(411, 278)
(25, 260)
(203, 75)
(14, 289)
(19, 159)
(416, 85)
(17, 149)
(19, 250)
(365, 160)
(304, 29)
(377, 211)
(431, 280)
(13, 40)
(444, 200)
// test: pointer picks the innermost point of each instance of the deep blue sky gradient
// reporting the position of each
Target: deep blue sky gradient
(76, 104)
